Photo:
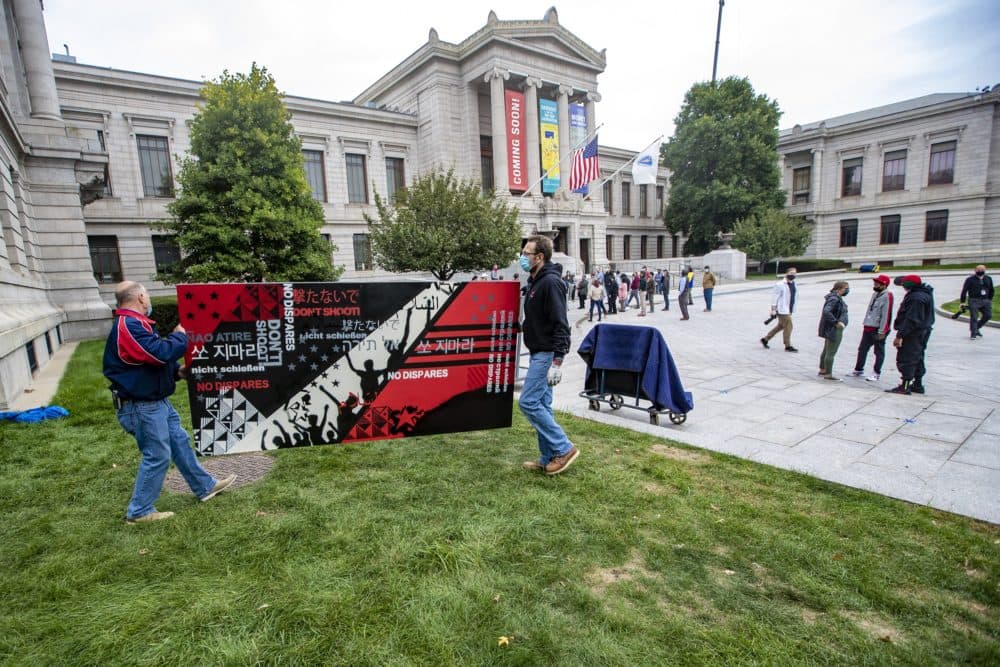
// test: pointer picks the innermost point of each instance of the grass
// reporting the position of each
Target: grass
(952, 307)
(428, 551)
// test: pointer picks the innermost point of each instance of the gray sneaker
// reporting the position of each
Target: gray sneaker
(220, 486)
(874, 377)
(146, 518)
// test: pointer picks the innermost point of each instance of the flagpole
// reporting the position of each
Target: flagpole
(630, 161)
(559, 164)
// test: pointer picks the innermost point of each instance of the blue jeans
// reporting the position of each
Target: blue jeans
(599, 305)
(708, 297)
(536, 405)
(157, 430)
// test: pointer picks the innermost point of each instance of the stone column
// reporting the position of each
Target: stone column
(816, 176)
(41, 79)
(564, 143)
(531, 86)
(495, 78)
(596, 190)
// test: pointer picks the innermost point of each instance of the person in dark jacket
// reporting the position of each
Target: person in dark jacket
(611, 289)
(143, 369)
(978, 288)
(546, 334)
(832, 323)
(913, 324)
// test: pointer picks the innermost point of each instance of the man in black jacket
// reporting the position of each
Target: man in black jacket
(546, 335)
(913, 325)
(978, 288)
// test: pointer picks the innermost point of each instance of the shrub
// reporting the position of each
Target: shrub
(804, 265)
(165, 313)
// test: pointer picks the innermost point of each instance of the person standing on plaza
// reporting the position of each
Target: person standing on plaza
(913, 325)
(643, 285)
(878, 318)
(611, 290)
(581, 290)
(666, 289)
(596, 300)
(708, 288)
(495, 273)
(978, 288)
(546, 334)
(143, 370)
(651, 291)
(623, 286)
(684, 284)
(783, 305)
(633, 292)
(832, 322)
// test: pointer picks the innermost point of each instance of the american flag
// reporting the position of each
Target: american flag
(585, 167)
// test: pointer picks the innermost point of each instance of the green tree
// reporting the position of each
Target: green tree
(443, 225)
(771, 234)
(723, 161)
(245, 211)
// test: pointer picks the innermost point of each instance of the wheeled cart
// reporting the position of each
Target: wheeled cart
(631, 367)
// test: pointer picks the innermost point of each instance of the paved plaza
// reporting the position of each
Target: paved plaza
(940, 449)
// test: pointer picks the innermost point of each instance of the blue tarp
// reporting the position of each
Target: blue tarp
(642, 350)
(34, 415)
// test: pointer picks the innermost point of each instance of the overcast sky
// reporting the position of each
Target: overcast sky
(817, 58)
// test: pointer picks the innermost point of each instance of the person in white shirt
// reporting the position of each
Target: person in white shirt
(783, 305)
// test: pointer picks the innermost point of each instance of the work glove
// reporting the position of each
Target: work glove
(555, 375)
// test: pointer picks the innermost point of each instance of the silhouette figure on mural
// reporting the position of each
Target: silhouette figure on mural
(371, 379)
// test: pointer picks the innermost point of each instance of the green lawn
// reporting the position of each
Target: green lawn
(428, 551)
(952, 307)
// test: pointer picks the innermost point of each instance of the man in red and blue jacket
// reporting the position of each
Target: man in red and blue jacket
(143, 369)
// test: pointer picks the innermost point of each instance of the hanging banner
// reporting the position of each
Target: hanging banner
(517, 166)
(577, 133)
(548, 126)
(276, 365)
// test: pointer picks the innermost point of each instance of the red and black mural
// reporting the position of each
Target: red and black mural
(277, 365)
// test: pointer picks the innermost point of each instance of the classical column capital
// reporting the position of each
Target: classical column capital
(565, 90)
(531, 82)
(496, 73)
(593, 96)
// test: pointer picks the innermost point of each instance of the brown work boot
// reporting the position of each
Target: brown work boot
(532, 465)
(560, 463)
(146, 518)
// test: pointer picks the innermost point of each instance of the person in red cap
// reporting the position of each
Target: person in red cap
(878, 318)
(913, 325)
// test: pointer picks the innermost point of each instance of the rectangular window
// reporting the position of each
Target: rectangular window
(363, 260)
(606, 192)
(801, 181)
(105, 260)
(315, 174)
(32, 359)
(626, 198)
(937, 226)
(59, 335)
(848, 233)
(659, 201)
(48, 343)
(643, 246)
(166, 252)
(890, 230)
(627, 247)
(660, 243)
(894, 171)
(107, 181)
(609, 244)
(154, 163)
(395, 176)
(357, 179)
(643, 201)
(851, 185)
(942, 163)
(486, 162)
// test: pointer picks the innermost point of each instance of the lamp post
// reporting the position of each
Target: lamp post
(718, 29)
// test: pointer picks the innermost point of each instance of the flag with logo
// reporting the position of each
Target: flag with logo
(645, 165)
(585, 166)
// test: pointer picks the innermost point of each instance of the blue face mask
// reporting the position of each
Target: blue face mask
(525, 264)
(149, 311)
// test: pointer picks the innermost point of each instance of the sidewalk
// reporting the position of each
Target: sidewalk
(940, 449)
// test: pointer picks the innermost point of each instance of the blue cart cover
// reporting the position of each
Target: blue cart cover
(620, 347)
(34, 415)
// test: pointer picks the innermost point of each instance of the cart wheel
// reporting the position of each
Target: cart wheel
(616, 401)
(595, 405)
(678, 418)
(654, 419)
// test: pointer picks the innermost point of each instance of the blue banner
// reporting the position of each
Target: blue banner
(548, 126)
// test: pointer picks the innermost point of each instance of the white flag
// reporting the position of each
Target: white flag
(644, 167)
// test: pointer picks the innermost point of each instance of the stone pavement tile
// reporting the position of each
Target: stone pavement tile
(966, 489)
(742, 395)
(948, 428)
(896, 406)
(726, 382)
(804, 392)
(981, 449)
(906, 453)
(851, 391)
(716, 428)
(787, 430)
(971, 409)
(743, 447)
(773, 383)
(783, 457)
(991, 424)
(864, 428)
(893, 483)
(695, 373)
(830, 452)
(828, 408)
(760, 411)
